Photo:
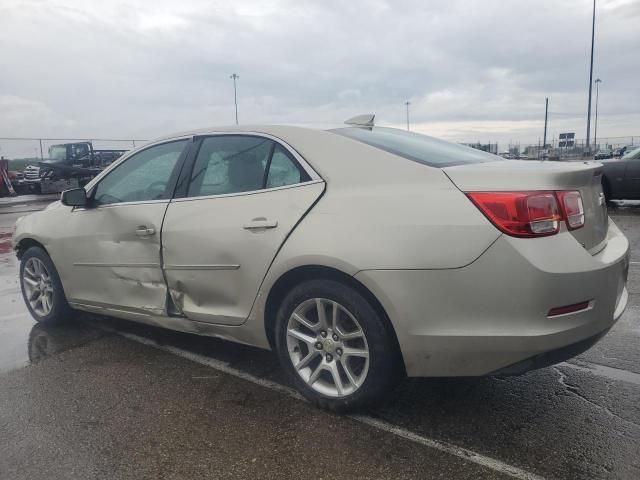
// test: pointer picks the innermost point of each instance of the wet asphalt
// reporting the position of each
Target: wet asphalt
(103, 398)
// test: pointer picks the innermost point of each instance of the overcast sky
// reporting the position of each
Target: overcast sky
(472, 69)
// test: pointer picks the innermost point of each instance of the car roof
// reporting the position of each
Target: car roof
(275, 130)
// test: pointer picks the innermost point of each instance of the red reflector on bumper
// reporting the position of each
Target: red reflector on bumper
(576, 307)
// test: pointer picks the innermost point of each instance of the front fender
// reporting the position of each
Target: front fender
(41, 227)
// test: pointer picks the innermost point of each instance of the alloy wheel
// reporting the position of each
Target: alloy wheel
(38, 288)
(327, 347)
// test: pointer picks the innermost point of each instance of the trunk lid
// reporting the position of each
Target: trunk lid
(514, 175)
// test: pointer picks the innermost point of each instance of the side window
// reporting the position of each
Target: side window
(283, 170)
(144, 176)
(229, 164)
(80, 150)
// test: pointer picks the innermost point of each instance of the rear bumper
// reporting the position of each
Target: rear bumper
(492, 315)
(552, 357)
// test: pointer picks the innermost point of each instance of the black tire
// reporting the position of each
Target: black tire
(385, 365)
(60, 309)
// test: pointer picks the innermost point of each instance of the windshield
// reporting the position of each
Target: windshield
(417, 147)
(58, 152)
(632, 154)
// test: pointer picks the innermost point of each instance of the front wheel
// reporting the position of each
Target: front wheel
(41, 287)
(335, 346)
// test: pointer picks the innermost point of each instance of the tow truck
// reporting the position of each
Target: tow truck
(69, 165)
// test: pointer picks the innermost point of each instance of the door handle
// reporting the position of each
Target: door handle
(143, 231)
(261, 222)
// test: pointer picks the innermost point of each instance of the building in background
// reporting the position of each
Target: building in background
(485, 147)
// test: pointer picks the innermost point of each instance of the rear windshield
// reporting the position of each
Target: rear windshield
(419, 148)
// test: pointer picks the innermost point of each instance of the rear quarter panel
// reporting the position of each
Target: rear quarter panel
(379, 211)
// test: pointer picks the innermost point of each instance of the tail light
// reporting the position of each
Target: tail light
(530, 214)
(573, 209)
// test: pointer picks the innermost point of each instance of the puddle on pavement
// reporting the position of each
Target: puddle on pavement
(15, 321)
(45, 341)
(5, 242)
(22, 340)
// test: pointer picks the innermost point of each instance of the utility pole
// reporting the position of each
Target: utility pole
(546, 116)
(538, 147)
(235, 94)
(407, 103)
(595, 130)
(593, 30)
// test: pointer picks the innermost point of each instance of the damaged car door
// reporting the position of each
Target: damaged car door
(114, 243)
(245, 193)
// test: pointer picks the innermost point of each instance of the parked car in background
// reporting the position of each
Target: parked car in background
(359, 254)
(604, 153)
(619, 152)
(621, 177)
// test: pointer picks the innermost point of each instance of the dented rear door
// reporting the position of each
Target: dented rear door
(217, 250)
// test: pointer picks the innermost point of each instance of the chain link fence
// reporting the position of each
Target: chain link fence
(563, 149)
(21, 151)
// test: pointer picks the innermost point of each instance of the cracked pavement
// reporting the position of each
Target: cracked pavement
(82, 401)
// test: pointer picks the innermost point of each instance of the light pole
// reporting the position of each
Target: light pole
(407, 103)
(235, 94)
(593, 29)
(546, 116)
(595, 130)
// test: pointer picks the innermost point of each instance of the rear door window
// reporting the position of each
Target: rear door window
(284, 170)
(228, 164)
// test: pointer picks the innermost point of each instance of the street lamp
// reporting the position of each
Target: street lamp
(595, 130)
(235, 94)
(593, 29)
(407, 103)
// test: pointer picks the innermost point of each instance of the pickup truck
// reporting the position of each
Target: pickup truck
(56, 173)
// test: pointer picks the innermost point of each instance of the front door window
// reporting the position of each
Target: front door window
(142, 177)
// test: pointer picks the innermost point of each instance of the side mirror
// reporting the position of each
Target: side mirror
(76, 197)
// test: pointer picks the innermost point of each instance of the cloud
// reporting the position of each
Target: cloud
(483, 69)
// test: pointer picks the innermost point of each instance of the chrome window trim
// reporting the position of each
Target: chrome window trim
(249, 192)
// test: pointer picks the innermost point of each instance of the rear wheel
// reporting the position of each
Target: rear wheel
(41, 287)
(335, 347)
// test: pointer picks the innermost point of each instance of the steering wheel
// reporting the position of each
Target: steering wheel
(155, 190)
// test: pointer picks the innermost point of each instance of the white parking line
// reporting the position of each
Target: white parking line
(463, 453)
